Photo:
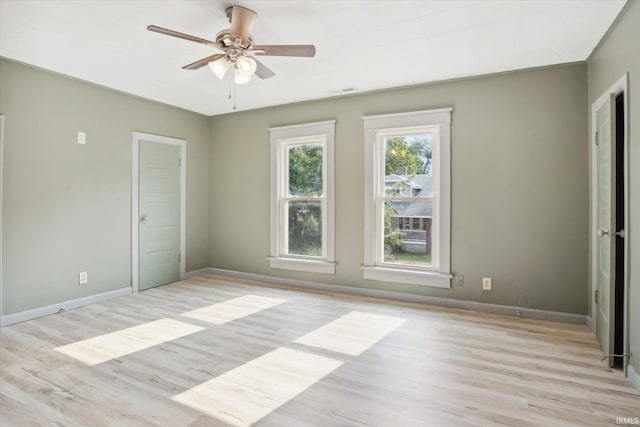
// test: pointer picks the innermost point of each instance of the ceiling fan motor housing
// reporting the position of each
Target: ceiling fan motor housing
(232, 49)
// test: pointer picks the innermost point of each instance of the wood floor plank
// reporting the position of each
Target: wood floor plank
(216, 352)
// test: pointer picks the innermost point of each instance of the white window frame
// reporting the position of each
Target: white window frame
(437, 122)
(281, 139)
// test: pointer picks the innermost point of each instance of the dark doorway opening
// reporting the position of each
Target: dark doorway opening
(619, 308)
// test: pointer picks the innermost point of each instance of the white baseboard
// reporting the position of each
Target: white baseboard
(633, 376)
(399, 296)
(591, 324)
(371, 293)
(22, 316)
(200, 272)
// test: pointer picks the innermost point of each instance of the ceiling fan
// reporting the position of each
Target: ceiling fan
(239, 50)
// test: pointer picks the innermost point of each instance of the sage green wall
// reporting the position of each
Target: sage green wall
(67, 207)
(619, 54)
(519, 185)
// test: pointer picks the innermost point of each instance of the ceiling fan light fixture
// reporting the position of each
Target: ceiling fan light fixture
(246, 66)
(240, 78)
(219, 67)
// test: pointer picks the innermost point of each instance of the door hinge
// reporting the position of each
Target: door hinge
(596, 296)
(597, 135)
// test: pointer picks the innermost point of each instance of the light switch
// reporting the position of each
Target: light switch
(82, 138)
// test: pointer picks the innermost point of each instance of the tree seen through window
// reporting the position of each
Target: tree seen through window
(408, 204)
(305, 183)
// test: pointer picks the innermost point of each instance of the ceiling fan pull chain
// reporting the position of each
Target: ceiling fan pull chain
(235, 96)
(230, 83)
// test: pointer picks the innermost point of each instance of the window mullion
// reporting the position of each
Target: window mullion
(408, 198)
(304, 199)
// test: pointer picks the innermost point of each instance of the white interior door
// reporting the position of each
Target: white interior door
(159, 214)
(606, 192)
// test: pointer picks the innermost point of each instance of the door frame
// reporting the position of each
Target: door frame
(1, 208)
(135, 199)
(620, 86)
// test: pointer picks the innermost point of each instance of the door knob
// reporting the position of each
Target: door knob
(603, 232)
(143, 218)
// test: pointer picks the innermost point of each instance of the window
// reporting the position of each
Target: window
(302, 197)
(407, 198)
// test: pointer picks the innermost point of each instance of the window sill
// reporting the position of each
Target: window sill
(411, 277)
(297, 264)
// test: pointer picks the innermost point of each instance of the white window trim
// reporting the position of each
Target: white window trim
(280, 136)
(439, 276)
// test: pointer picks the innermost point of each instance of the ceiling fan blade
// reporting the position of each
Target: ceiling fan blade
(263, 71)
(242, 20)
(183, 36)
(307, 50)
(204, 61)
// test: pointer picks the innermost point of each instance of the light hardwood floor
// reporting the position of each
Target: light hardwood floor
(212, 351)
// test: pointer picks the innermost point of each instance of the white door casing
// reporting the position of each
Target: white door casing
(621, 86)
(606, 191)
(1, 208)
(166, 235)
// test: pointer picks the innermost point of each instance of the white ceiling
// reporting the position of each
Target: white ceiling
(368, 45)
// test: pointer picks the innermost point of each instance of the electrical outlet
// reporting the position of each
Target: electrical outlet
(82, 138)
(83, 278)
(460, 280)
(486, 284)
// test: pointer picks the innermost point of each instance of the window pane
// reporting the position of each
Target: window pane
(305, 228)
(305, 170)
(408, 246)
(408, 165)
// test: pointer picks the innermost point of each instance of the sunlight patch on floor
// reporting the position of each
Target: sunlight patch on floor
(352, 333)
(248, 393)
(126, 341)
(233, 309)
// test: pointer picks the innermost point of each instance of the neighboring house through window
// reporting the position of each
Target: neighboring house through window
(410, 209)
(302, 197)
(407, 198)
